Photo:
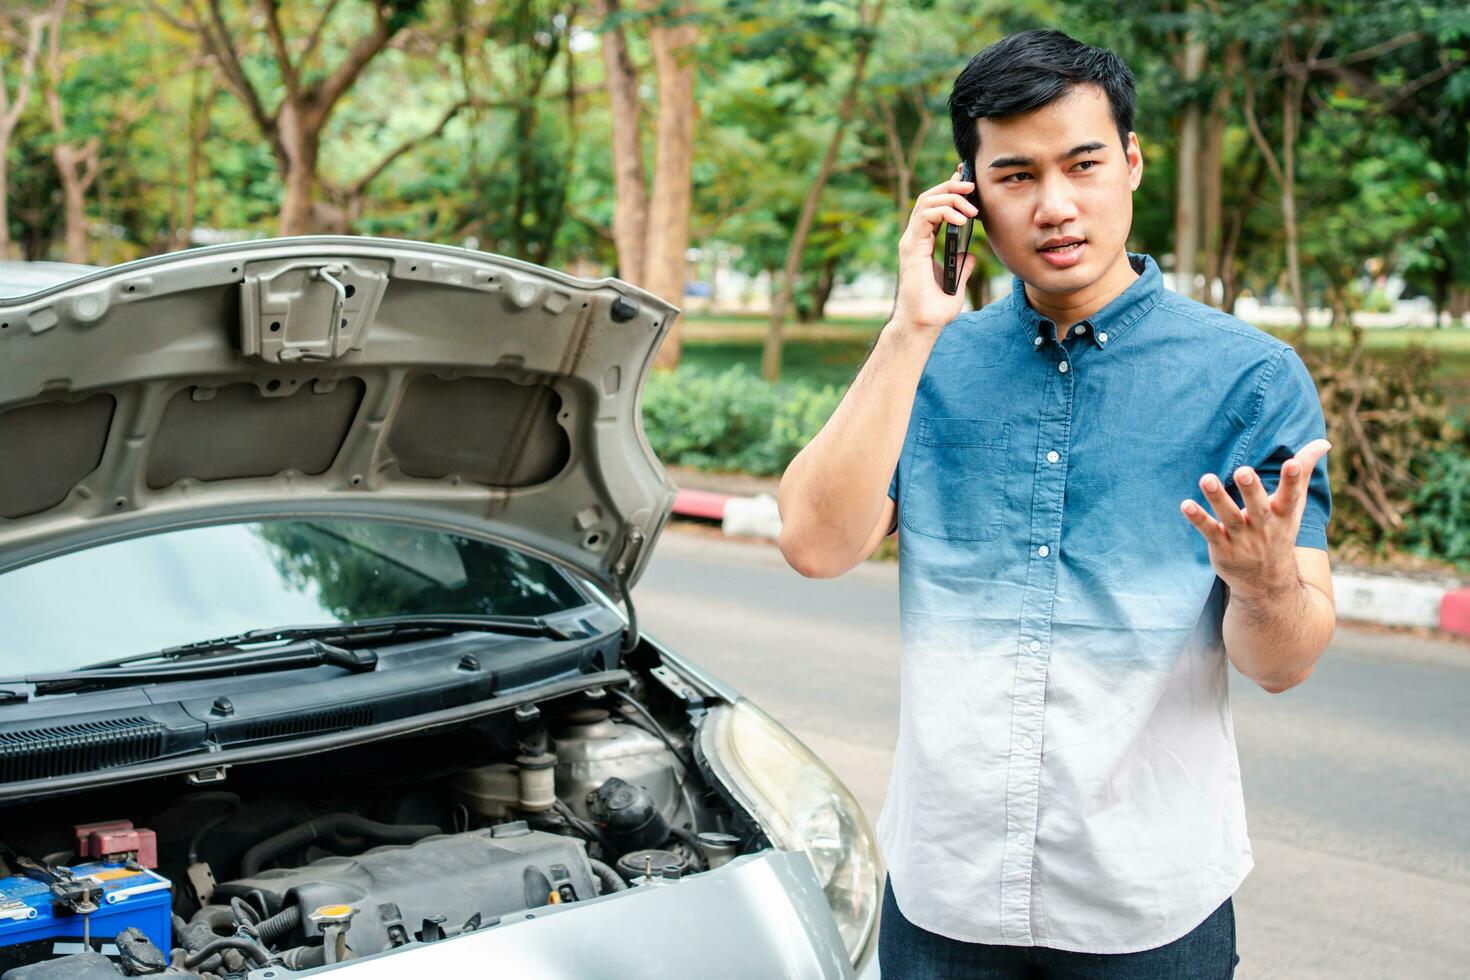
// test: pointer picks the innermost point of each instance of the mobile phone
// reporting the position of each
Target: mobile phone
(957, 237)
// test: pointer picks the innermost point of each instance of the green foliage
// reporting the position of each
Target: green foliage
(1385, 425)
(732, 420)
(1438, 523)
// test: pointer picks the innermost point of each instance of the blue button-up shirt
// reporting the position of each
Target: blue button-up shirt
(1066, 773)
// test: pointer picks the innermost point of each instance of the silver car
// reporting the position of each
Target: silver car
(317, 648)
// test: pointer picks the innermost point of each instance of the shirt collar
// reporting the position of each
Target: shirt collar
(1107, 324)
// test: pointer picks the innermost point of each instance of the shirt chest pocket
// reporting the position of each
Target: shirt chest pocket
(955, 486)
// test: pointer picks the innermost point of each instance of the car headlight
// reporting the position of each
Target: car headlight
(802, 806)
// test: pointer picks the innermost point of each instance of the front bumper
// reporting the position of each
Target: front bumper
(760, 916)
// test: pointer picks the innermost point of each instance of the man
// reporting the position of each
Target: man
(1106, 490)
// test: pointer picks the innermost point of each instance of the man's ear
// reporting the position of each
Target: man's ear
(1135, 161)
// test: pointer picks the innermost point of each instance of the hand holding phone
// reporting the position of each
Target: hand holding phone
(957, 237)
(931, 276)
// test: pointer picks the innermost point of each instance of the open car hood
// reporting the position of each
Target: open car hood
(332, 376)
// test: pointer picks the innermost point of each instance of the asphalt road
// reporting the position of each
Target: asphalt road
(1357, 783)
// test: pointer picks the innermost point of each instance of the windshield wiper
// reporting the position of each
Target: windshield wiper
(359, 632)
(303, 653)
(346, 645)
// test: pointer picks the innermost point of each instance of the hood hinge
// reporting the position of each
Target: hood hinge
(623, 571)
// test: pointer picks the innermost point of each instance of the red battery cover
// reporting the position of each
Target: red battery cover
(113, 838)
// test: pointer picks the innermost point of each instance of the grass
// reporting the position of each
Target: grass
(832, 351)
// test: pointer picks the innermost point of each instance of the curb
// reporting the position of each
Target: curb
(1389, 600)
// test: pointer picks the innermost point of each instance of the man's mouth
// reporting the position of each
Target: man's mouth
(1063, 253)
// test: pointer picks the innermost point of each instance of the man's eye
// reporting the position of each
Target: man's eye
(1009, 176)
(1087, 163)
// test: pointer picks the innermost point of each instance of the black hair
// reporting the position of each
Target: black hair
(1023, 72)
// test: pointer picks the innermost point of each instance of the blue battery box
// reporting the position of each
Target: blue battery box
(130, 897)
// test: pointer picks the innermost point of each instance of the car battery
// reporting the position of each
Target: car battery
(37, 925)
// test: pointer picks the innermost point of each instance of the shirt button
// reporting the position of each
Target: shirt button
(1020, 837)
(1062, 367)
(1035, 645)
(1103, 337)
(1026, 741)
(1037, 341)
(1053, 456)
(1043, 551)
(1082, 328)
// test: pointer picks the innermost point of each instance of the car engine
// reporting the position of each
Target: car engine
(382, 846)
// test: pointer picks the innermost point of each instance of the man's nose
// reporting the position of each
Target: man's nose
(1055, 204)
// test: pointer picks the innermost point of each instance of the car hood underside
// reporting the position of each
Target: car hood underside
(329, 376)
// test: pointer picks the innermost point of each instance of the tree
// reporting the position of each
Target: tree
(76, 162)
(11, 108)
(1295, 57)
(294, 126)
(651, 229)
(870, 12)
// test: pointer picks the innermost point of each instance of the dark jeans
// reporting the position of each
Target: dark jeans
(908, 952)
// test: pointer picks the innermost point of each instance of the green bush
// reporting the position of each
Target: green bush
(732, 420)
(1438, 523)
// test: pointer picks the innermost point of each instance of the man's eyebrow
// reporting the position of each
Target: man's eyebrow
(1092, 147)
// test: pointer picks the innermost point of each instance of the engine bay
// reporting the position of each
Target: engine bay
(307, 861)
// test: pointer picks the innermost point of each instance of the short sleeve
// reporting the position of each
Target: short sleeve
(1291, 417)
(893, 485)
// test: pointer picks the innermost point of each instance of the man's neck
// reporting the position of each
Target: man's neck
(1067, 309)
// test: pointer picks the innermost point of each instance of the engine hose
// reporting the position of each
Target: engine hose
(279, 926)
(319, 827)
(610, 880)
(217, 919)
(304, 957)
(251, 949)
(244, 914)
(696, 853)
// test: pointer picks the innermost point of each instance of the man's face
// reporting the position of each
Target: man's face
(1058, 174)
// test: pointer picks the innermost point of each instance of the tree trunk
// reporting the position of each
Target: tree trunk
(1284, 170)
(668, 208)
(77, 168)
(822, 291)
(771, 351)
(300, 144)
(630, 195)
(1187, 196)
(198, 133)
(1212, 180)
(10, 113)
(1291, 114)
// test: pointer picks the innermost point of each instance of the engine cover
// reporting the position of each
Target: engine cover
(400, 891)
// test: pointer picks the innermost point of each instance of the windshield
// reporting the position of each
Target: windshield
(178, 587)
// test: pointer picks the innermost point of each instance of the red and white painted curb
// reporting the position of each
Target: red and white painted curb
(1392, 600)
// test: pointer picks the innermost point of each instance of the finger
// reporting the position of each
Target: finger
(1296, 477)
(1225, 509)
(1257, 503)
(1291, 489)
(966, 269)
(1212, 530)
(957, 201)
(933, 217)
(952, 186)
(1312, 451)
